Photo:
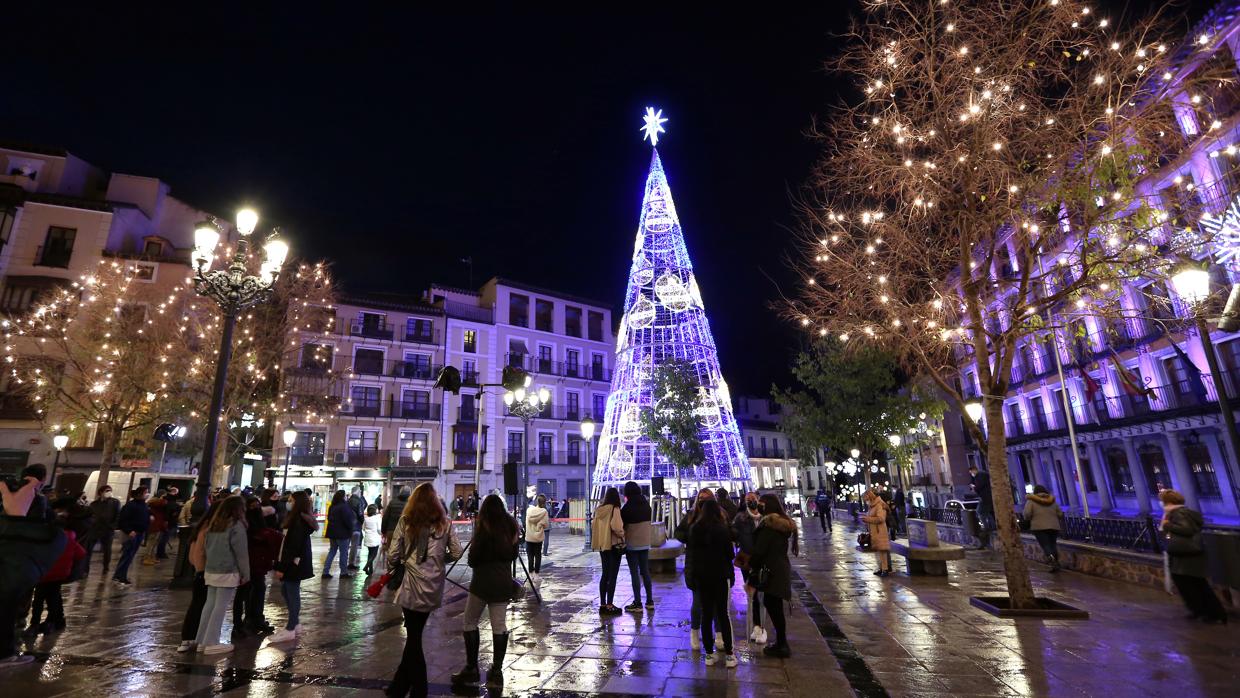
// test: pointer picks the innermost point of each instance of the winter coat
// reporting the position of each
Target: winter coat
(358, 504)
(1042, 513)
(159, 515)
(228, 552)
(135, 516)
(635, 514)
(106, 512)
(264, 544)
(28, 549)
(293, 560)
(682, 535)
(743, 526)
(1183, 522)
(491, 560)
(371, 535)
(79, 520)
(729, 508)
(607, 528)
(876, 517)
(770, 550)
(63, 568)
(536, 523)
(712, 554)
(425, 569)
(392, 513)
(341, 521)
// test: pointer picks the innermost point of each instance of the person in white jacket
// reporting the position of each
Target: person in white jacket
(372, 537)
(537, 520)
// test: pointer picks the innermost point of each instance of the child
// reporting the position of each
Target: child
(372, 537)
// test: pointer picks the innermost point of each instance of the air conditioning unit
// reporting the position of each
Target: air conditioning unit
(341, 458)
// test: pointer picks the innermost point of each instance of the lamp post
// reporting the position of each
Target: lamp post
(587, 433)
(1192, 283)
(166, 433)
(526, 404)
(59, 441)
(289, 436)
(234, 289)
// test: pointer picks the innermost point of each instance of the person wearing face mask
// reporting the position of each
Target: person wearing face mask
(682, 535)
(105, 510)
(743, 525)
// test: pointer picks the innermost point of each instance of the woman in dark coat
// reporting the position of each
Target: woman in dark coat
(682, 535)
(491, 552)
(770, 550)
(341, 523)
(293, 562)
(1188, 569)
(710, 538)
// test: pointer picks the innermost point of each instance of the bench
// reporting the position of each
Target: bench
(663, 550)
(924, 553)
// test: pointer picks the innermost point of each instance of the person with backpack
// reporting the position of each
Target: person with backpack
(770, 571)
(423, 544)
(293, 563)
(341, 522)
(710, 538)
(1186, 558)
(227, 568)
(1044, 517)
(491, 554)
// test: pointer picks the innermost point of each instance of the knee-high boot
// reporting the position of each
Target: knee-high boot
(470, 673)
(495, 675)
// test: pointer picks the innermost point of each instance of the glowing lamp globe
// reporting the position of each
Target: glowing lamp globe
(1192, 284)
(973, 408)
(289, 436)
(60, 441)
(417, 452)
(544, 395)
(587, 428)
(508, 398)
(855, 453)
(247, 221)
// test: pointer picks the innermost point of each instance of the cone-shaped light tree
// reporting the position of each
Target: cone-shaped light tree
(665, 323)
(1000, 174)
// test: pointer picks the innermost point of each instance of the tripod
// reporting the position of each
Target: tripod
(519, 560)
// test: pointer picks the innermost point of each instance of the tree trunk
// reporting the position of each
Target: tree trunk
(1015, 567)
(111, 437)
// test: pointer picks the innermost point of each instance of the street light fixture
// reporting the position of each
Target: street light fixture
(234, 289)
(526, 404)
(587, 433)
(973, 408)
(289, 436)
(59, 441)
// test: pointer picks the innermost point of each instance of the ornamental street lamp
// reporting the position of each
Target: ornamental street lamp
(526, 404)
(165, 433)
(289, 437)
(1192, 283)
(234, 289)
(59, 442)
(587, 433)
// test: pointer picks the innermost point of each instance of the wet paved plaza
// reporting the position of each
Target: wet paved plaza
(852, 634)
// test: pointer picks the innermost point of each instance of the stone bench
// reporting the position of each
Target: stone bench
(663, 550)
(924, 553)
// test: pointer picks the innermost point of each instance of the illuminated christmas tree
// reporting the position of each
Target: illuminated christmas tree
(665, 322)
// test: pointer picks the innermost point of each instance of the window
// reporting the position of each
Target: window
(518, 310)
(576, 489)
(366, 400)
(1090, 484)
(572, 321)
(1203, 469)
(596, 367)
(363, 440)
(468, 414)
(544, 359)
(419, 330)
(1038, 413)
(409, 439)
(547, 488)
(1121, 477)
(574, 406)
(309, 448)
(542, 315)
(316, 358)
(1154, 463)
(368, 362)
(514, 447)
(417, 366)
(465, 447)
(469, 343)
(545, 452)
(469, 372)
(1158, 301)
(143, 272)
(57, 247)
(153, 248)
(415, 404)
(600, 406)
(371, 325)
(572, 361)
(595, 320)
(574, 451)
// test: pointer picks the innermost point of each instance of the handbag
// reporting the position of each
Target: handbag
(1184, 546)
(863, 540)
(393, 578)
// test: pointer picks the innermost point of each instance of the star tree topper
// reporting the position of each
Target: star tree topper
(654, 125)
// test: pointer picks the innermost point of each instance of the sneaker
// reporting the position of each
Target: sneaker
(729, 660)
(695, 640)
(635, 606)
(217, 649)
(15, 660)
(759, 635)
(282, 635)
(713, 658)
(121, 582)
(187, 646)
(650, 604)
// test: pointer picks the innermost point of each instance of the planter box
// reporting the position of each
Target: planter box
(1047, 608)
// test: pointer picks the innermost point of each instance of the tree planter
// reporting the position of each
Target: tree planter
(1047, 608)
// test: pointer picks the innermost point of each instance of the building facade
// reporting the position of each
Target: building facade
(772, 455)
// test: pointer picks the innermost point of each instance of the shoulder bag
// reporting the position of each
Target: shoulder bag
(1184, 546)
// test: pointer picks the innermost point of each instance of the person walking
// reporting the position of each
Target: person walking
(770, 570)
(357, 502)
(636, 516)
(133, 520)
(394, 510)
(711, 540)
(979, 482)
(227, 567)
(682, 535)
(537, 521)
(607, 537)
(157, 534)
(198, 595)
(822, 503)
(263, 543)
(491, 554)
(1044, 517)
(875, 517)
(744, 525)
(372, 537)
(1186, 555)
(424, 543)
(341, 522)
(106, 510)
(899, 505)
(293, 564)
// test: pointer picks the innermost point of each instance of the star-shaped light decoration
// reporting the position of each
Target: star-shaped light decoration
(1223, 231)
(654, 125)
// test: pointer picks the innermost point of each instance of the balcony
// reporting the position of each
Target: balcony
(393, 408)
(548, 367)
(359, 458)
(429, 459)
(545, 457)
(370, 329)
(394, 369)
(562, 413)
(766, 453)
(421, 336)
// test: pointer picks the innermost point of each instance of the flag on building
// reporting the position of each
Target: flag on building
(1129, 380)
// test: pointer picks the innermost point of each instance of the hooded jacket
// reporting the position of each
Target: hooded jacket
(770, 550)
(1042, 512)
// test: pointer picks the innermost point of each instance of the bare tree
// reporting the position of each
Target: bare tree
(996, 180)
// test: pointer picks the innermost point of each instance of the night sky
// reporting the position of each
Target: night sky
(397, 143)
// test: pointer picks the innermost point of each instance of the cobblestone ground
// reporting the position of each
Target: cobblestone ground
(918, 636)
(852, 634)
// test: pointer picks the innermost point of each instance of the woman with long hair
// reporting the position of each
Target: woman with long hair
(293, 561)
(423, 542)
(682, 535)
(710, 538)
(744, 525)
(341, 522)
(198, 560)
(770, 561)
(228, 567)
(880, 539)
(636, 517)
(607, 537)
(491, 553)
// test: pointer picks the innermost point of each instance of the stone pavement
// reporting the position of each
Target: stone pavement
(121, 642)
(918, 636)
